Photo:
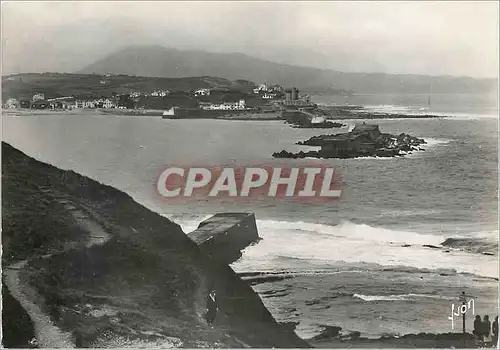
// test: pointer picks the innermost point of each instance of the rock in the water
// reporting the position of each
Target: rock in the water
(431, 246)
(365, 140)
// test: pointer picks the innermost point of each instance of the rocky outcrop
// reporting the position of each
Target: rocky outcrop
(365, 143)
(334, 337)
(301, 154)
(224, 235)
(308, 120)
(320, 125)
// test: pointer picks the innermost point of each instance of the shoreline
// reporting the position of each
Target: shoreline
(351, 113)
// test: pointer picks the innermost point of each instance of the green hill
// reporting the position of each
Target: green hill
(147, 283)
(93, 85)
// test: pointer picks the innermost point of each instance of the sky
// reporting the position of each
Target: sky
(434, 38)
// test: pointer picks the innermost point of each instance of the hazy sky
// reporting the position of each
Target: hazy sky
(455, 38)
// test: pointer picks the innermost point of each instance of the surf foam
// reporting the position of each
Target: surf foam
(303, 247)
(291, 245)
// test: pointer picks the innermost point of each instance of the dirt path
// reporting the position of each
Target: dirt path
(47, 334)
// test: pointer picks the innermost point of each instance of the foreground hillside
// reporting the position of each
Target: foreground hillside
(115, 273)
(158, 61)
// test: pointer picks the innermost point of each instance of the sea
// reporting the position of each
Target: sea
(372, 261)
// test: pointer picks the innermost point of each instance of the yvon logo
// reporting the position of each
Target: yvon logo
(308, 184)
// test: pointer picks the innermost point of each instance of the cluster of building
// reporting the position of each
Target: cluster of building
(268, 92)
(202, 92)
(38, 101)
(226, 106)
(95, 103)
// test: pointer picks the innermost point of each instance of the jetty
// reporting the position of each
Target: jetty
(224, 235)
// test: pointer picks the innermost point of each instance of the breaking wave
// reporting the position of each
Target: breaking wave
(302, 246)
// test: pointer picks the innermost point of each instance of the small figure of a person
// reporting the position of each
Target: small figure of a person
(494, 331)
(33, 343)
(212, 308)
(478, 327)
(486, 329)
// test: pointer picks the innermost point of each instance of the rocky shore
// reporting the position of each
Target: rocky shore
(145, 285)
(321, 125)
(332, 337)
(312, 119)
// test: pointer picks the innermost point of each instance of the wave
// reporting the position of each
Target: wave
(422, 110)
(188, 223)
(400, 297)
(429, 145)
(303, 246)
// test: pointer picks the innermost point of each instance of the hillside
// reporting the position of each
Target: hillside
(93, 85)
(158, 61)
(146, 284)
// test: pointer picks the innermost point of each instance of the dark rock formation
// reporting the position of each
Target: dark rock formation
(224, 235)
(364, 141)
(301, 154)
(332, 337)
(473, 245)
(305, 119)
(431, 246)
(327, 333)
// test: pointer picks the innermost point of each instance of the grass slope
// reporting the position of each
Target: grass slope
(93, 85)
(148, 283)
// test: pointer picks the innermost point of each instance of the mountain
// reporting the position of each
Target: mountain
(158, 61)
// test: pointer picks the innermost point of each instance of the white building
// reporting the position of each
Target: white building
(37, 97)
(268, 96)
(160, 93)
(226, 106)
(202, 92)
(317, 119)
(107, 103)
(12, 103)
(261, 88)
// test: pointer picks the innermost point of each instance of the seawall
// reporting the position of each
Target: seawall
(224, 235)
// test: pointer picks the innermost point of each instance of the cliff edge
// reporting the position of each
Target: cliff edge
(112, 273)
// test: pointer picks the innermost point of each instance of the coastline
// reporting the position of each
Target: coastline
(332, 113)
